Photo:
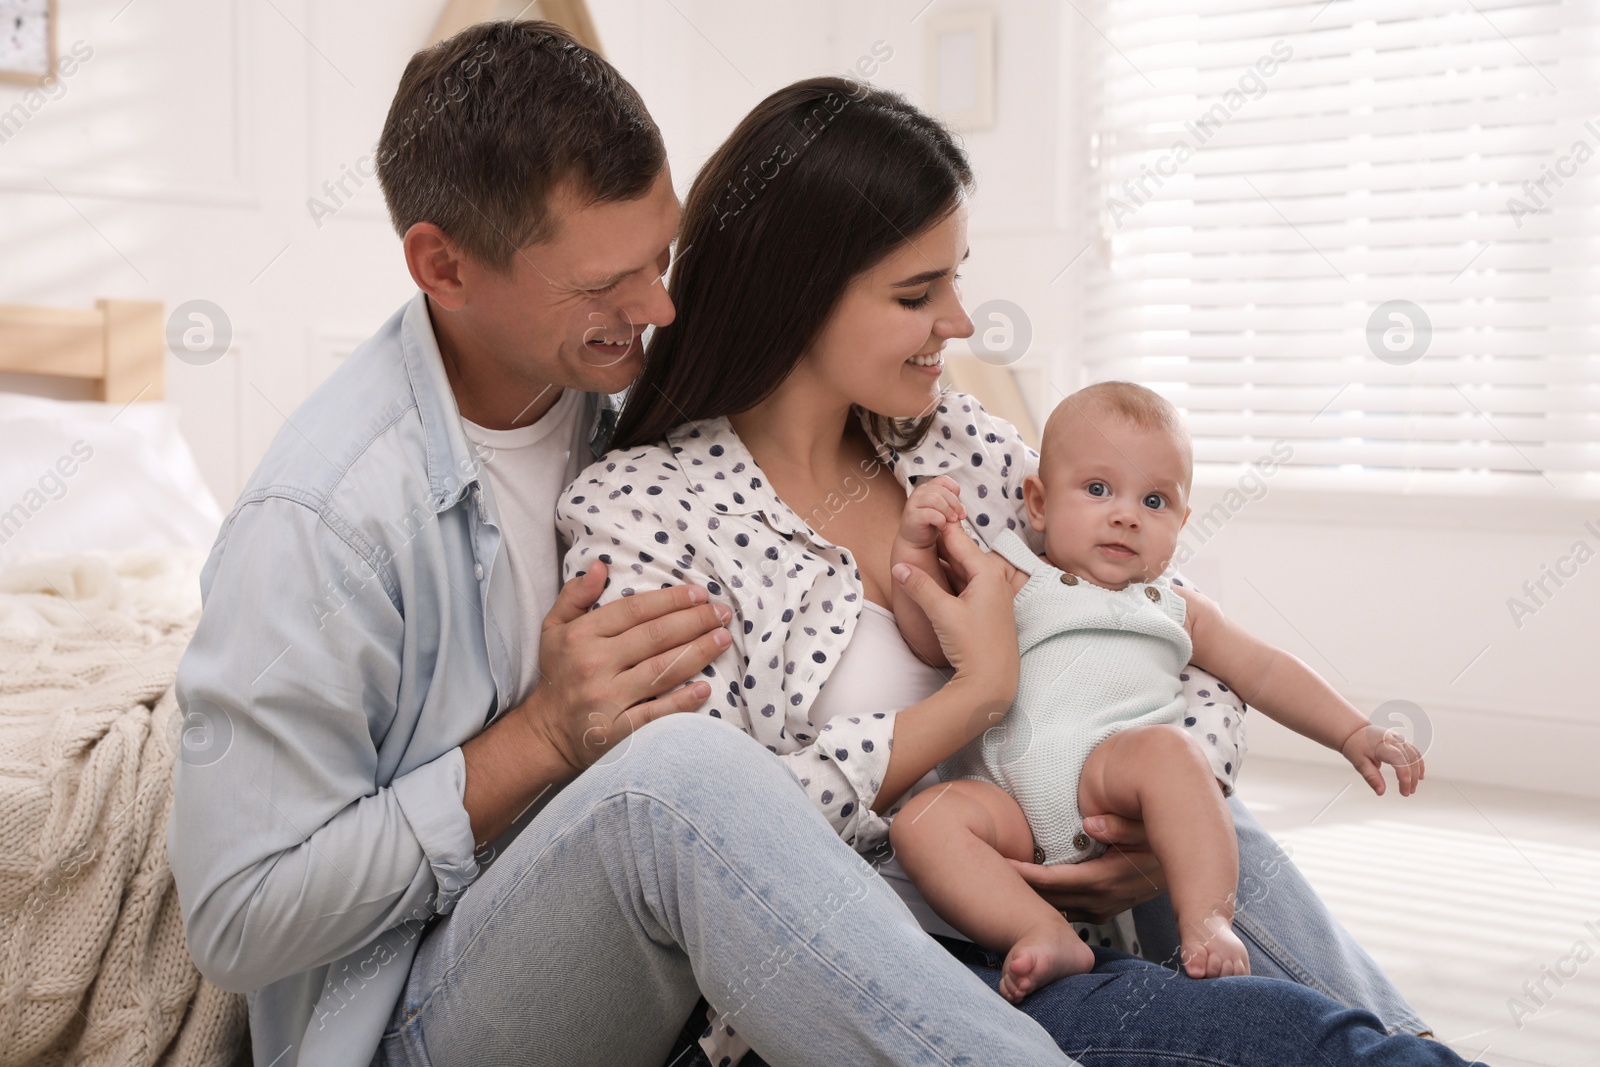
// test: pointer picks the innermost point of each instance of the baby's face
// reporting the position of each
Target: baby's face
(1111, 499)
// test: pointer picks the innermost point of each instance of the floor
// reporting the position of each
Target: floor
(1481, 903)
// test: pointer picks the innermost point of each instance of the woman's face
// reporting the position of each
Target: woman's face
(882, 347)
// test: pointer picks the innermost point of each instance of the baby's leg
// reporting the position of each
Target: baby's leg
(954, 840)
(1158, 774)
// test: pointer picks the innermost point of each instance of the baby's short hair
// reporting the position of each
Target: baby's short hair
(1142, 407)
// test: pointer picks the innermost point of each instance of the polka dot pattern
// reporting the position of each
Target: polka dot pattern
(695, 508)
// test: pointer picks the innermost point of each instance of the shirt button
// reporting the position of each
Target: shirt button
(1080, 841)
(1038, 854)
(1153, 594)
(477, 571)
(1069, 579)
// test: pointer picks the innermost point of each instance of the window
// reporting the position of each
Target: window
(1368, 230)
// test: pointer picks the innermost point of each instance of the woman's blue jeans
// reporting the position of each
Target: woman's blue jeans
(689, 859)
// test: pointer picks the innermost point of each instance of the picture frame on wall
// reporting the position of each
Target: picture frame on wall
(960, 68)
(27, 41)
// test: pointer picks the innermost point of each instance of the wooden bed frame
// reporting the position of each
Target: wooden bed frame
(119, 346)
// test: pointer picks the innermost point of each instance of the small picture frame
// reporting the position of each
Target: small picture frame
(27, 41)
(959, 68)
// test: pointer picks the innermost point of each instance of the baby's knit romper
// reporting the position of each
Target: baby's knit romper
(1094, 662)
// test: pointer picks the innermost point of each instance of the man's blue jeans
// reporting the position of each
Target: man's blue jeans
(1288, 930)
(690, 860)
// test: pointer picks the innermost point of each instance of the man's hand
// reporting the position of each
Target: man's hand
(603, 674)
(1096, 890)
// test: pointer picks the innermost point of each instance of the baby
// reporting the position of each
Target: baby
(1094, 729)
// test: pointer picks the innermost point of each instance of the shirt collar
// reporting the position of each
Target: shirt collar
(721, 471)
(453, 464)
(608, 406)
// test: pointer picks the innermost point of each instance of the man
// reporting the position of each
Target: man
(386, 659)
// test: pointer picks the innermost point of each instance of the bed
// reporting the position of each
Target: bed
(104, 524)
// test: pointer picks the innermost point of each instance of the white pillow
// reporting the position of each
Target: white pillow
(78, 476)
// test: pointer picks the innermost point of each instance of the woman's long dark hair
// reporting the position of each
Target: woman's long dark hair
(820, 182)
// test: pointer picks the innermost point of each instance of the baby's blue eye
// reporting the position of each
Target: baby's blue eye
(1155, 501)
(1099, 489)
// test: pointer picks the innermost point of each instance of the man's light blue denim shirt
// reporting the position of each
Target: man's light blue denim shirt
(358, 626)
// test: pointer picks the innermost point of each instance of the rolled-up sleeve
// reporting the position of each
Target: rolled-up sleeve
(842, 771)
(287, 851)
(431, 799)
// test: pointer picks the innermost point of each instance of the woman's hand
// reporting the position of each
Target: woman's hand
(978, 635)
(975, 627)
(1096, 890)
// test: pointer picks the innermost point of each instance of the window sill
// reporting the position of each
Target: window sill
(1416, 498)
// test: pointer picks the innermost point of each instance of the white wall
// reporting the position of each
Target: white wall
(176, 164)
(178, 161)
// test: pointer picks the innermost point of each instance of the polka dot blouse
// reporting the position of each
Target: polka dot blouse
(696, 508)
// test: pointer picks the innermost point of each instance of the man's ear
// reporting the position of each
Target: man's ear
(435, 263)
(1033, 499)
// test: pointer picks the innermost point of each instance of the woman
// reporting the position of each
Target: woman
(764, 453)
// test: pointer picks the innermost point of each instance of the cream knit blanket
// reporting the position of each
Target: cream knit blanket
(93, 965)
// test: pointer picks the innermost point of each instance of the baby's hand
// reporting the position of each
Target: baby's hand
(1371, 746)
(931, 507)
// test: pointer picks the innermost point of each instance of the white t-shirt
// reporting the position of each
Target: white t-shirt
(527, 468)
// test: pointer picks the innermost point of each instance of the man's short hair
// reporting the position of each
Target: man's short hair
(487, 124)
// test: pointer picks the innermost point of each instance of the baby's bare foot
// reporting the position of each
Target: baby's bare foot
(1213, 950)
(1040, 956)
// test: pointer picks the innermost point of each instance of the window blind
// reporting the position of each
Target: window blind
(1367, 229)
